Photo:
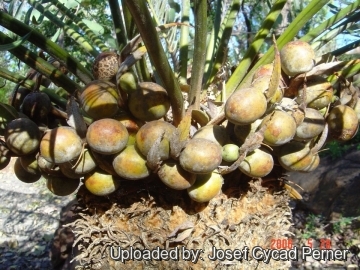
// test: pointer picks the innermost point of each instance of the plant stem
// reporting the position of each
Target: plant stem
(16, 78)
(346, 48)
(118, 23)
(39, 64)
(213, 41)
(142, 70)
(54, 97)
(291, 31)
(330, 35)
(30, 84)
(197, 71)
(317, 31)
(143, 20)
(47, 45)
(223, 38)
(130, 26)
(184, 38)
(242, 69)
(350, 69)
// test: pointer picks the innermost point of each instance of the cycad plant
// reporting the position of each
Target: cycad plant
(175, 148)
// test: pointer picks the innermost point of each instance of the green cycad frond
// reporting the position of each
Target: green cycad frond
(160, 11)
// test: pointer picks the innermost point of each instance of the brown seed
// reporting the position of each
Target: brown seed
(107, 136)
(343, 122)
(280, 128)
(150, 132)
(106, 66)
(100, 99)
(61, 185)
(22, 136)
(201, 156)
(245, 106)
(206, 187)
(60, 145)
(101, 183)
(149, 102)
(297, 57)
(130, 164)
(175, 177)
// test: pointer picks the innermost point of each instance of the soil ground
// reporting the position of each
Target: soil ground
(29, 217)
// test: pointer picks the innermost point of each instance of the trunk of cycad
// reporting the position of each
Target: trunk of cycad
(148, 215)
